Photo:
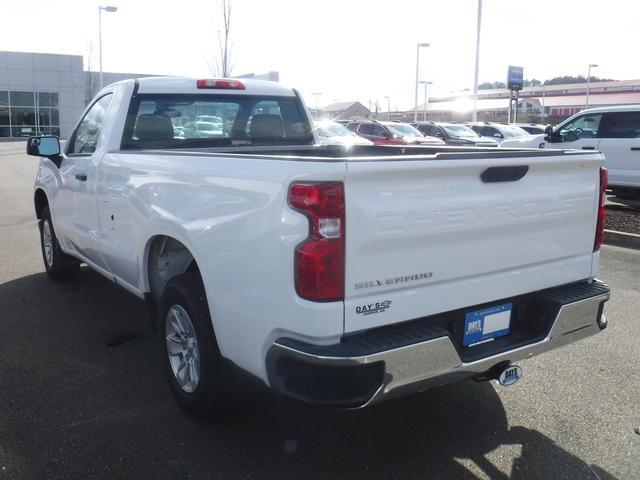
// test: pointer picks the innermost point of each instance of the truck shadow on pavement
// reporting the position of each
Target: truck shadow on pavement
(83, 396)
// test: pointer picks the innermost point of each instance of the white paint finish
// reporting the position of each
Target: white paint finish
(188, 85)
(622, 162)
(233, 217)
(479, 242)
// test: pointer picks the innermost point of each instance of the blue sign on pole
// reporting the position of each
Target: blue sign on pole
(514, 78)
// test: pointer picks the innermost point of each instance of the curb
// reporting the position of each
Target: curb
(622, 239)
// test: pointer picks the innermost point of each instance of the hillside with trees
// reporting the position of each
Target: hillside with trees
(552, 81)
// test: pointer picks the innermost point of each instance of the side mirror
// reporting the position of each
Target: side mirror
(48, 146)
(550, 135)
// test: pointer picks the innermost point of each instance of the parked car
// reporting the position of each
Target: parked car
(201, 129)
(391, 133)
(531, 128)
(615, 131)
(454, 134)
(338, 280)
(498, 131)
(334, 133)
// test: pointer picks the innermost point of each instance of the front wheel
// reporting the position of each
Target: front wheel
(198, 376)
(59, 265)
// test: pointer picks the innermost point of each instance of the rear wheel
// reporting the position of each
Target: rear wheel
(59, 265)
(199, 378)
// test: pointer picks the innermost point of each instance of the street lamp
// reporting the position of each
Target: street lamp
(589, 82)
(475, 79)
(100, 9)
(425, 97)
(317, 94)
(388, 107)
(415, 110)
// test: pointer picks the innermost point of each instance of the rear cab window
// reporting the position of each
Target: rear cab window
(206, 120)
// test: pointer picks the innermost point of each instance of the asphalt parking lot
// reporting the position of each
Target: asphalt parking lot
(82, 395)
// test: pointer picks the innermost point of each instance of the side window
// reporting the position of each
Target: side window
(620, 125)
(438, 132)
(379, 131)
(493, 132)
(427, 130)
(85, 139)
(365, 129)
(479, 130)
(585, 126)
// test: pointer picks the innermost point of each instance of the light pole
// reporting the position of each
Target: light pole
(317, 95)
(586, 105)
(543, 112)
(475, 80)
(425, 98)
(388, 107)
(106, 9)
(415, 110)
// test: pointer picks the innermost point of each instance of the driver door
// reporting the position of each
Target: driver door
(77, 222)
(580, 133)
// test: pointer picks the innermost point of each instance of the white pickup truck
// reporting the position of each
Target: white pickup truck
(339, 276)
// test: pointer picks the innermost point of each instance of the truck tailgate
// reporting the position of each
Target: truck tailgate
(426, 236)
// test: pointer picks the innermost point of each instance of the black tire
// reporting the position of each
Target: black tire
(216, 382)
(60, 266)
(626, 194)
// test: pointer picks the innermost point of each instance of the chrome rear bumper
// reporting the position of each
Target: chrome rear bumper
(421, 365)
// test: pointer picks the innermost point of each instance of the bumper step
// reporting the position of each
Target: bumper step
(368, 367)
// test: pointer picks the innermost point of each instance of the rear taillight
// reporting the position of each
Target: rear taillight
(319, 260)
(602, 212)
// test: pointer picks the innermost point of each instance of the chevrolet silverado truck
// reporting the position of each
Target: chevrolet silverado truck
(339, 276)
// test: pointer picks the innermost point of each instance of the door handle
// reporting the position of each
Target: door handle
(588, 148)
(635, 148)
(81, 176)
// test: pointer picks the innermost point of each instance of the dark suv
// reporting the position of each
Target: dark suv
(391, 133)
(454, 134)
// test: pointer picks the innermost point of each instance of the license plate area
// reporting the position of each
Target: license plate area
(484, 325)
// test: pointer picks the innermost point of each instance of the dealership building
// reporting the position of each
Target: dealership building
(43, 93)
(547, 104)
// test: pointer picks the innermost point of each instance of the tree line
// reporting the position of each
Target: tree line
(552, 81)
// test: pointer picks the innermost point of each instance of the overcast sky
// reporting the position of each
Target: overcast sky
(347, 49)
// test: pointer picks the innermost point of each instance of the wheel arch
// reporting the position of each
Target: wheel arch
(40, 200)
(165, 256)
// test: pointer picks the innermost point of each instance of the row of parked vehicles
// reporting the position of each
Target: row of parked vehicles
(615, 131)
(479, 134)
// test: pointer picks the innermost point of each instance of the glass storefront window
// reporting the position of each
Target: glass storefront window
(47, 99)
(48, 117)
(22, 99)
(24, 131)
(49, 131)
(23, 116)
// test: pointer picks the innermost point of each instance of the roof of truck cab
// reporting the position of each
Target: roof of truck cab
(188, 85)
